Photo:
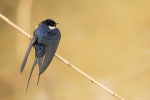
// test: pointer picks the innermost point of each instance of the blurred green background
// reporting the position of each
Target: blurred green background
(108, 39)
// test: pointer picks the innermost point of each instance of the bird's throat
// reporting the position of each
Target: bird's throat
(51, 27)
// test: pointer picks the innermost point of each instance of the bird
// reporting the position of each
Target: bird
(46, 38)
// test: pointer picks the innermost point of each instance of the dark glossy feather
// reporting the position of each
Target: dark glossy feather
(45, 40)
(34, 64)
(51, 43)
(27, 53)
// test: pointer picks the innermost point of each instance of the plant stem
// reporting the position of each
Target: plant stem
(65, 61)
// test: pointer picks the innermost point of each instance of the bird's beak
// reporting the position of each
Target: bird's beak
(56, 24)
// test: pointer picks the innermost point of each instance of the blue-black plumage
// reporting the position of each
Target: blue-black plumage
(45, 40)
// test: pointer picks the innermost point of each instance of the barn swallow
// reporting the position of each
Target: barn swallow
(45, 39)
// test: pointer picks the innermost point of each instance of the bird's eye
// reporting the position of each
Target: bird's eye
(51, 24)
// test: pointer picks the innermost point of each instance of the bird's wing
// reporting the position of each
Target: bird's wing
(27, 53)
(51, 43)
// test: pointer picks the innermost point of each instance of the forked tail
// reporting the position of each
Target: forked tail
(34, 64)
(27, 53)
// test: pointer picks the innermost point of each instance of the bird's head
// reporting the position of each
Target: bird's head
(50, 22)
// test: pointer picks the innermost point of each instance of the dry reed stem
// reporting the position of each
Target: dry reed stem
(65, 61)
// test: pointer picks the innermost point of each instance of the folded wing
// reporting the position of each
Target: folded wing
(51, 43)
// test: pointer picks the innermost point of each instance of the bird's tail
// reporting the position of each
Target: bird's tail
(38, 79)
(40, 60)
(34, 64)
(27, 53)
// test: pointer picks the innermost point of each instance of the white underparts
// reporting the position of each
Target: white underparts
(51, 27)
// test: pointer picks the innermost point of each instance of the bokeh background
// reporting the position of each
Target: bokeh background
(108, 39)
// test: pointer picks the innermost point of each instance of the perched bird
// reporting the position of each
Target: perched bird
(45, 40)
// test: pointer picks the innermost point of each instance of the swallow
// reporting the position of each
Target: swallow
(45, 39)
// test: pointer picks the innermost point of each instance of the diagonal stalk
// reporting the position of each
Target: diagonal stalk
(65, 61)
